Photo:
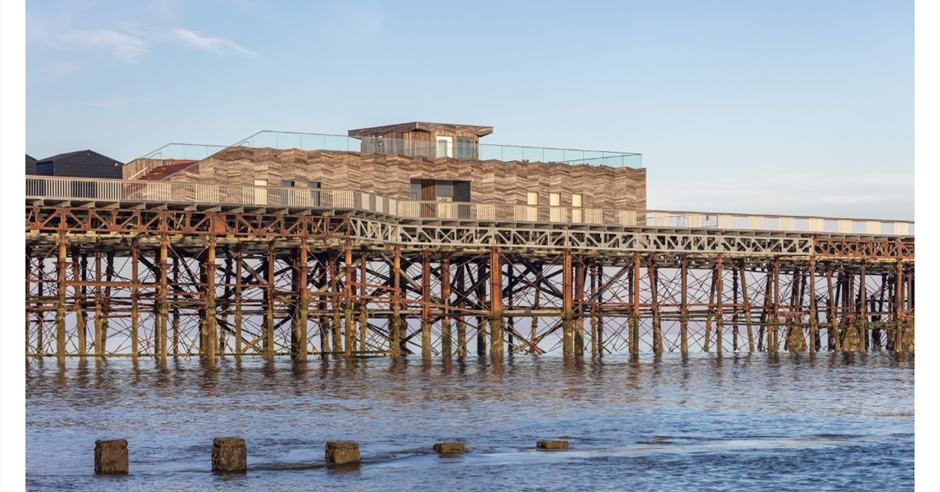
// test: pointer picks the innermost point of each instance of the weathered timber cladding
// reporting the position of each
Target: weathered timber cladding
(492, 181)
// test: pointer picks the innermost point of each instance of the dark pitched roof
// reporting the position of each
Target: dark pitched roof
(479, 131)
(79, 153)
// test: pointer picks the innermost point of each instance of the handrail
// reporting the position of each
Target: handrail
(38, 187)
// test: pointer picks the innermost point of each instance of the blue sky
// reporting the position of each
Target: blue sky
(787, 107)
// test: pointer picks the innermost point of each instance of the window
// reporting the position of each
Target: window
(445, 147)
(555, 213)
(532, 213)
(464, 148)
(577, 201)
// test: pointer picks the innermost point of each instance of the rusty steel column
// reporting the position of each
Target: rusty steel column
(28, 315)
(719, 305)
(109, 276)
(394, 348)
(60, 313)
(99, 301)
(481, 301)
(598, 316)
(162, 305)
(81, 323)
(832, 333)
(862, 308)
(775, 318)
(446, 342)
(135, 298)
(594, 295)
(747, 307)
(684, 306)
(209, 326)
(578, 303)
(426, 304)
(298, 350)
(462, 304)
(707, 342)
(653, 275)
(175, 321)
(497, 348)
(238, 299)
(813, 323)
(349, 341)
(635, 322)
(899, 307)
(566, 324)
(734, 310)
(269, 294)
(363, 300)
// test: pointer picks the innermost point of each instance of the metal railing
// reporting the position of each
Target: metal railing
(167, 155)
(433, 149)
(41, 187)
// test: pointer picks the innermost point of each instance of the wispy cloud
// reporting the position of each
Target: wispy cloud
(128, 41)
(215, 45)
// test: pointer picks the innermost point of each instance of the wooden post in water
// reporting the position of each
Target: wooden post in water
(109, 277)
(594, 296)
(707, 342)
(863, 309)
(336, 340)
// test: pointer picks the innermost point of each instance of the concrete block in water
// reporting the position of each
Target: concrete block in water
(340, 452)
(229, 454)
(111, 456)
(450, 447)
(552, 444)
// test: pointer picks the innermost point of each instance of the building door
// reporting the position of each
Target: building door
(428, 196)
(261, 192)
(445, 147)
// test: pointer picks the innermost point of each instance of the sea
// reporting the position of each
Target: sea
(787, 421)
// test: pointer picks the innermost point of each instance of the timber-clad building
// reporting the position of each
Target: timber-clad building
(428, 162)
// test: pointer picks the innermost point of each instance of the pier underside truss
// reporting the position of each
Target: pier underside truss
(118, 279)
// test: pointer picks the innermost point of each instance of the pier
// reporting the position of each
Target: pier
(124, 268)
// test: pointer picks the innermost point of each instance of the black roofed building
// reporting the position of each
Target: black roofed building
(30, 165)
(79, 164)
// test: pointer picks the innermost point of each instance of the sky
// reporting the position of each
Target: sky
(790, 107)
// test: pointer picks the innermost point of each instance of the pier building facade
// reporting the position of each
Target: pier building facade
(432, 243)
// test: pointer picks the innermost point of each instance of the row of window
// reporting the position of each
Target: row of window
(554, 199)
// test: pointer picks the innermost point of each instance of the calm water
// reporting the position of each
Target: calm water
(790, 422)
